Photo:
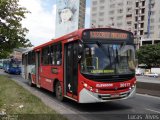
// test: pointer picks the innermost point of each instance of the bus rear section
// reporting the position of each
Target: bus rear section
(87, 66)
(28, 66)
(12, 66)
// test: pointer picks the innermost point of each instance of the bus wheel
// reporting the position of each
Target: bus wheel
(30, 80)
(58, 91)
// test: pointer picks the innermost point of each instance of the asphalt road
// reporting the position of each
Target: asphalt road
(139, 107)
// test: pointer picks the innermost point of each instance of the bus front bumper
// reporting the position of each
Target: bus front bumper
(87, 96)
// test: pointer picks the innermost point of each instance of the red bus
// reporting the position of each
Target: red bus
(87, 66)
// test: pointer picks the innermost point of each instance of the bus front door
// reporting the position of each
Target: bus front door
(71, 69)
(37, 68)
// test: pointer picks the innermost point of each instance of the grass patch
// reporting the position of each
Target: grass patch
(14, 99)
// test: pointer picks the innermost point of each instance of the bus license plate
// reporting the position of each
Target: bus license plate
(115, 95)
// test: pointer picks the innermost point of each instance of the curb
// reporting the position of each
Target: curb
(148, 88)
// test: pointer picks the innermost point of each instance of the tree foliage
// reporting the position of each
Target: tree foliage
(149, 55)
(12, 34)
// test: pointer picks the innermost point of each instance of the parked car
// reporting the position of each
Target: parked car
(152, 75)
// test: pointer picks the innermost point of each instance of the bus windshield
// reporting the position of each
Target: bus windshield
(15, 64)
(109, 59)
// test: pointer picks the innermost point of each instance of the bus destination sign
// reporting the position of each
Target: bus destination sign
(108, 35)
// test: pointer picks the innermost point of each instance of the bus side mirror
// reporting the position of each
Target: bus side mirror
(80, 51)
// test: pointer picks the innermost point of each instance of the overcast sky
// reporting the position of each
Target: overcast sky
(41, 20)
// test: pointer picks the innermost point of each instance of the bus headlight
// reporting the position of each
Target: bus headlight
(85, 85)
(91, 88)
(96, 90)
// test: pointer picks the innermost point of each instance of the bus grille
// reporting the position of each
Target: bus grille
(111, 97)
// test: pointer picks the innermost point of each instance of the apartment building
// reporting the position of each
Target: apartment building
(142, 17)
(113, 13)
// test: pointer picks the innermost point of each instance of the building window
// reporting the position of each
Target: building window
(93, 21)
(119, 17)
(101, 19)
(135, 33)
(111, 18)
(120, 4)
(137, 4)
(101, 14)
(111, 12)
(101, 7)
(102, 1)
(112, 6)
(129, 2)
(151, 27)
(142, 25)
(94, 8)
(142, 18)
(119, 24)
(136, 12)
(135, 26)
(141, 32)
(136, 18)
(129, 9)
(120, 10)
(94, 2)
(94, 14)
(152, 20)
(112, 0)
(129, 23)
(100, 26)
(143, 3)
(143, 10)
(129, 15)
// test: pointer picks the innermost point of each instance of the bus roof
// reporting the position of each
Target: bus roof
(74, 34)
(28, 50)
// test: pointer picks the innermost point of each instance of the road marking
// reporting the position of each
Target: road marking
(146, 95)
(153, 111)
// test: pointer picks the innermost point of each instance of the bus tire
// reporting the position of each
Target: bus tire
(58, 91)
(30, 80)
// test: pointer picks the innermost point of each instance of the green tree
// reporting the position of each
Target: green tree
(12, 34)
(149, 55)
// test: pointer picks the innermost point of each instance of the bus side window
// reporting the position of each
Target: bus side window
(53, 55)
(56, 54)
(59, 54)
(46, 56)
